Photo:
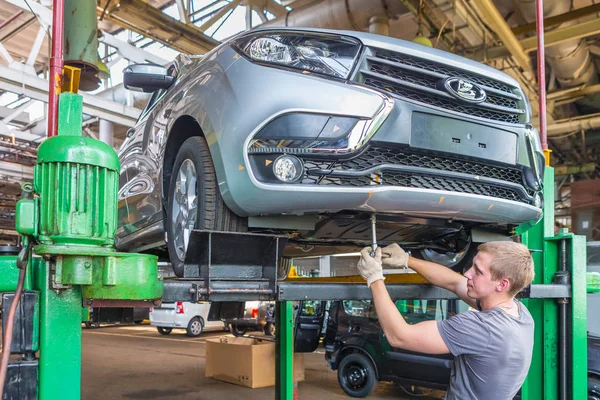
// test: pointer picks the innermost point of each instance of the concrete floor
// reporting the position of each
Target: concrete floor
(135, 362)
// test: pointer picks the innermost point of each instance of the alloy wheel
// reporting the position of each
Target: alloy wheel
(185, 207)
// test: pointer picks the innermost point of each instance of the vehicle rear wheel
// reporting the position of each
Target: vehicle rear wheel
(195, 327)
(194, 201)
(593, 388)
(163, 331)
(356, 375)
(269, 329)
(238, 330)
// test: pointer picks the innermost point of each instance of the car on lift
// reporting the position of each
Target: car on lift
(308, 133)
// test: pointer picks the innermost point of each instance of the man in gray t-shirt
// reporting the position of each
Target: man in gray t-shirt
(493, 344)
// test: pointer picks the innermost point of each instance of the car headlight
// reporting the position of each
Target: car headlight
(327, 54)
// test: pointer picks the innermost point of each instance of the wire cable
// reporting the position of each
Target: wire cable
(8, 333)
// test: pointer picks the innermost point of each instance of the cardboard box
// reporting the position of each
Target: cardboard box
(245, 361)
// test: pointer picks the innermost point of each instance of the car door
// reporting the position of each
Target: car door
(308, 326)
(139, 171)
(415, 366)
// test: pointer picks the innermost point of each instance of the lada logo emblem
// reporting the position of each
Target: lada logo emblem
(464, 90)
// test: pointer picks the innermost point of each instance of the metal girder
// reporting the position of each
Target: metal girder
(140, 17)
(37, 88)
(559, 19)
(15, 172)
(219, 14)
(551, 38)
(131, 52)
(512, 45)
(562, 170)
(574, 124)
(572, 94)
(305, 289)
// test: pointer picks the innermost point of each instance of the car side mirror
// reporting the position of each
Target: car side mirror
(146, 78)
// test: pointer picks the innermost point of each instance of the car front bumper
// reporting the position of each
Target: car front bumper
(457, 195)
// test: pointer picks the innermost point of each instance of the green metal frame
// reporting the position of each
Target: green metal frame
(284, 351)
(543, 379)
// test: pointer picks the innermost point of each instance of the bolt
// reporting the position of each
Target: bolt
(156, 302)
(87, 264)
(57, 292)
(89, 302)
(47, 257)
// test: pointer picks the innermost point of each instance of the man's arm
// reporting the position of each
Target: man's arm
(443, 277)
(437, 274)
(423, 337)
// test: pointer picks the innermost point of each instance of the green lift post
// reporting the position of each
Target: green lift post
(68, 219)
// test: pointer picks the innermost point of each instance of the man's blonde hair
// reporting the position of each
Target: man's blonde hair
(512, 261)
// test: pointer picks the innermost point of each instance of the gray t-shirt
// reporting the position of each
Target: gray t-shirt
(492, 351)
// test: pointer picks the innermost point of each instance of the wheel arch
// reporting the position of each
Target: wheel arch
(352, 349)
(182, 129)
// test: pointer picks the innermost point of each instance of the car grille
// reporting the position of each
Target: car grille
(419, 80)
(376, 156)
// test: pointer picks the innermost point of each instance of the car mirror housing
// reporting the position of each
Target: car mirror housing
(146, 78)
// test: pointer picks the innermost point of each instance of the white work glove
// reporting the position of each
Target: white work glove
(370, 267)
(394, 256)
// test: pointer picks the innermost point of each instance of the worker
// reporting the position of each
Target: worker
(493, 344)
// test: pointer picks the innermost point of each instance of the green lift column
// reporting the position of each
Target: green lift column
(553, 253)
(69, 219)
(284, 350)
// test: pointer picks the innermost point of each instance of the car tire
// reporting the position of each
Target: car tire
(593, 388)
(269, 329)
(237, 330)
(207, 209)
(164, 331)
(195, 327)
(356, 375)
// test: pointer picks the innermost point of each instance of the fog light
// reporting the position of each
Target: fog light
(288, 168)
(537, 200)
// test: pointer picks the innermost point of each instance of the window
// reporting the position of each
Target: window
(360, 308)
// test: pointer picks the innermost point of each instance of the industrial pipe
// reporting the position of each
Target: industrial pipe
(575, 124)
(56, 65)
(339, 14)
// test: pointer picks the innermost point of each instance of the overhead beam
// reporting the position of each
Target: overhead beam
(551, 38)
(140, 17)
(559, 19)
(37, 88)
(572, 94)
(219, 14)
(131, 52)
(562, 127)
(562, 170)
(513, 47)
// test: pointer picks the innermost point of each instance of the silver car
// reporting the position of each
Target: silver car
(309, 133)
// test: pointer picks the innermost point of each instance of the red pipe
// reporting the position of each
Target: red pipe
(541, 67)
(56, 65)
(11, 19)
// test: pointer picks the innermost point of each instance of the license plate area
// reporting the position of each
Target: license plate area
(432, 132)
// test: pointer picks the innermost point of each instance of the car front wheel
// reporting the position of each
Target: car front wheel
(194, 201)
(356, 375)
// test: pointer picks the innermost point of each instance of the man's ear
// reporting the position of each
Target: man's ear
(503, 285)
